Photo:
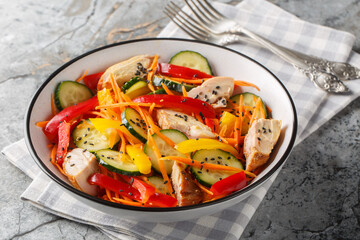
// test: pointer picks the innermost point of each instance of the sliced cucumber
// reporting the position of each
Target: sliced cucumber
(165, 149)
(134, 123)
(192, 60)
(130, 83)
(113, 161)
(68, 93)
(159, 91)
(87, 137)
(172, 85)
(158, 183)
(215, 156)
(138, 89)
(248, 100)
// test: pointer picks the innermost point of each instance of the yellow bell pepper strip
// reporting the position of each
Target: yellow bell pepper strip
(101, 124)
(140, 159)
(227, 120)
(192, 145)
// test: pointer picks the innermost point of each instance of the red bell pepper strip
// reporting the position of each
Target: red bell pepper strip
(162, 200)
(51, 128)
(92, 80)
(230, 184)
(210, 123)
(180, 72)
(121, 188)
(185, 104)
(146, 190)
(64, 141)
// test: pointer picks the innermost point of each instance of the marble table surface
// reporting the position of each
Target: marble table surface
(316, 195)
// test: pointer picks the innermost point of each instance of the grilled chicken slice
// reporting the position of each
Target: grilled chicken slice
(125, 70)
(259, 142)
(186, 191)
(169, 119)
(79, 165)
(215, 91)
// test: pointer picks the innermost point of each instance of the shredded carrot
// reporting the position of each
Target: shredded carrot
(151, 109)
(246, 84)
(151, 86)
(152, 72)
(203, 188)
(198, 164)
(115, 105)
(217, 197)
(53, 108)
(82, 77)
(184, 92)
(199, 118)
(123, 143)
(129, 136)
(99, 114)
(156, 129)
(268, 109)
(167, 90)
(161, 164)
(53, 161)
(238, 124)
(108, 194)
(183, 80)
(115, 88)
(127, 202)
(257, 105)
(41, 124)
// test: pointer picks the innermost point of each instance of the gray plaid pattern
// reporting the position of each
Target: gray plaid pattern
(314, 108)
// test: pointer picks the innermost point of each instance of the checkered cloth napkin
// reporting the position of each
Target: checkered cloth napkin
(314, 107)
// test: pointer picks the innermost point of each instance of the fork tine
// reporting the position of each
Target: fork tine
(203, 18)
(208, 9)
(178, 21)
(213, 10)
(186, 19)
(190, 20)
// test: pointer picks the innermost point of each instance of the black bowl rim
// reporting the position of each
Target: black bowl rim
(49, 173)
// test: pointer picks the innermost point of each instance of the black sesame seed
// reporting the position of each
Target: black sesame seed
(121, 190)
(217, 87)
(259, 139)
(130, 194)
(131, 181)
(165, 182)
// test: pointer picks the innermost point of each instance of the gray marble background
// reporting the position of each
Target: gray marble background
(317, 194)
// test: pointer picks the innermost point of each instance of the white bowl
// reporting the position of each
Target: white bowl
(224, 61)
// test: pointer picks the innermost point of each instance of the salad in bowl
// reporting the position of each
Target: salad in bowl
(151, 133)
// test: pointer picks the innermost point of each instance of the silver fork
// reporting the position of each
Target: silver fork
(210, 28)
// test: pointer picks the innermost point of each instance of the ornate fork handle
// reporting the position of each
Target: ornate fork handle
(322, 73)
(324, 80)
